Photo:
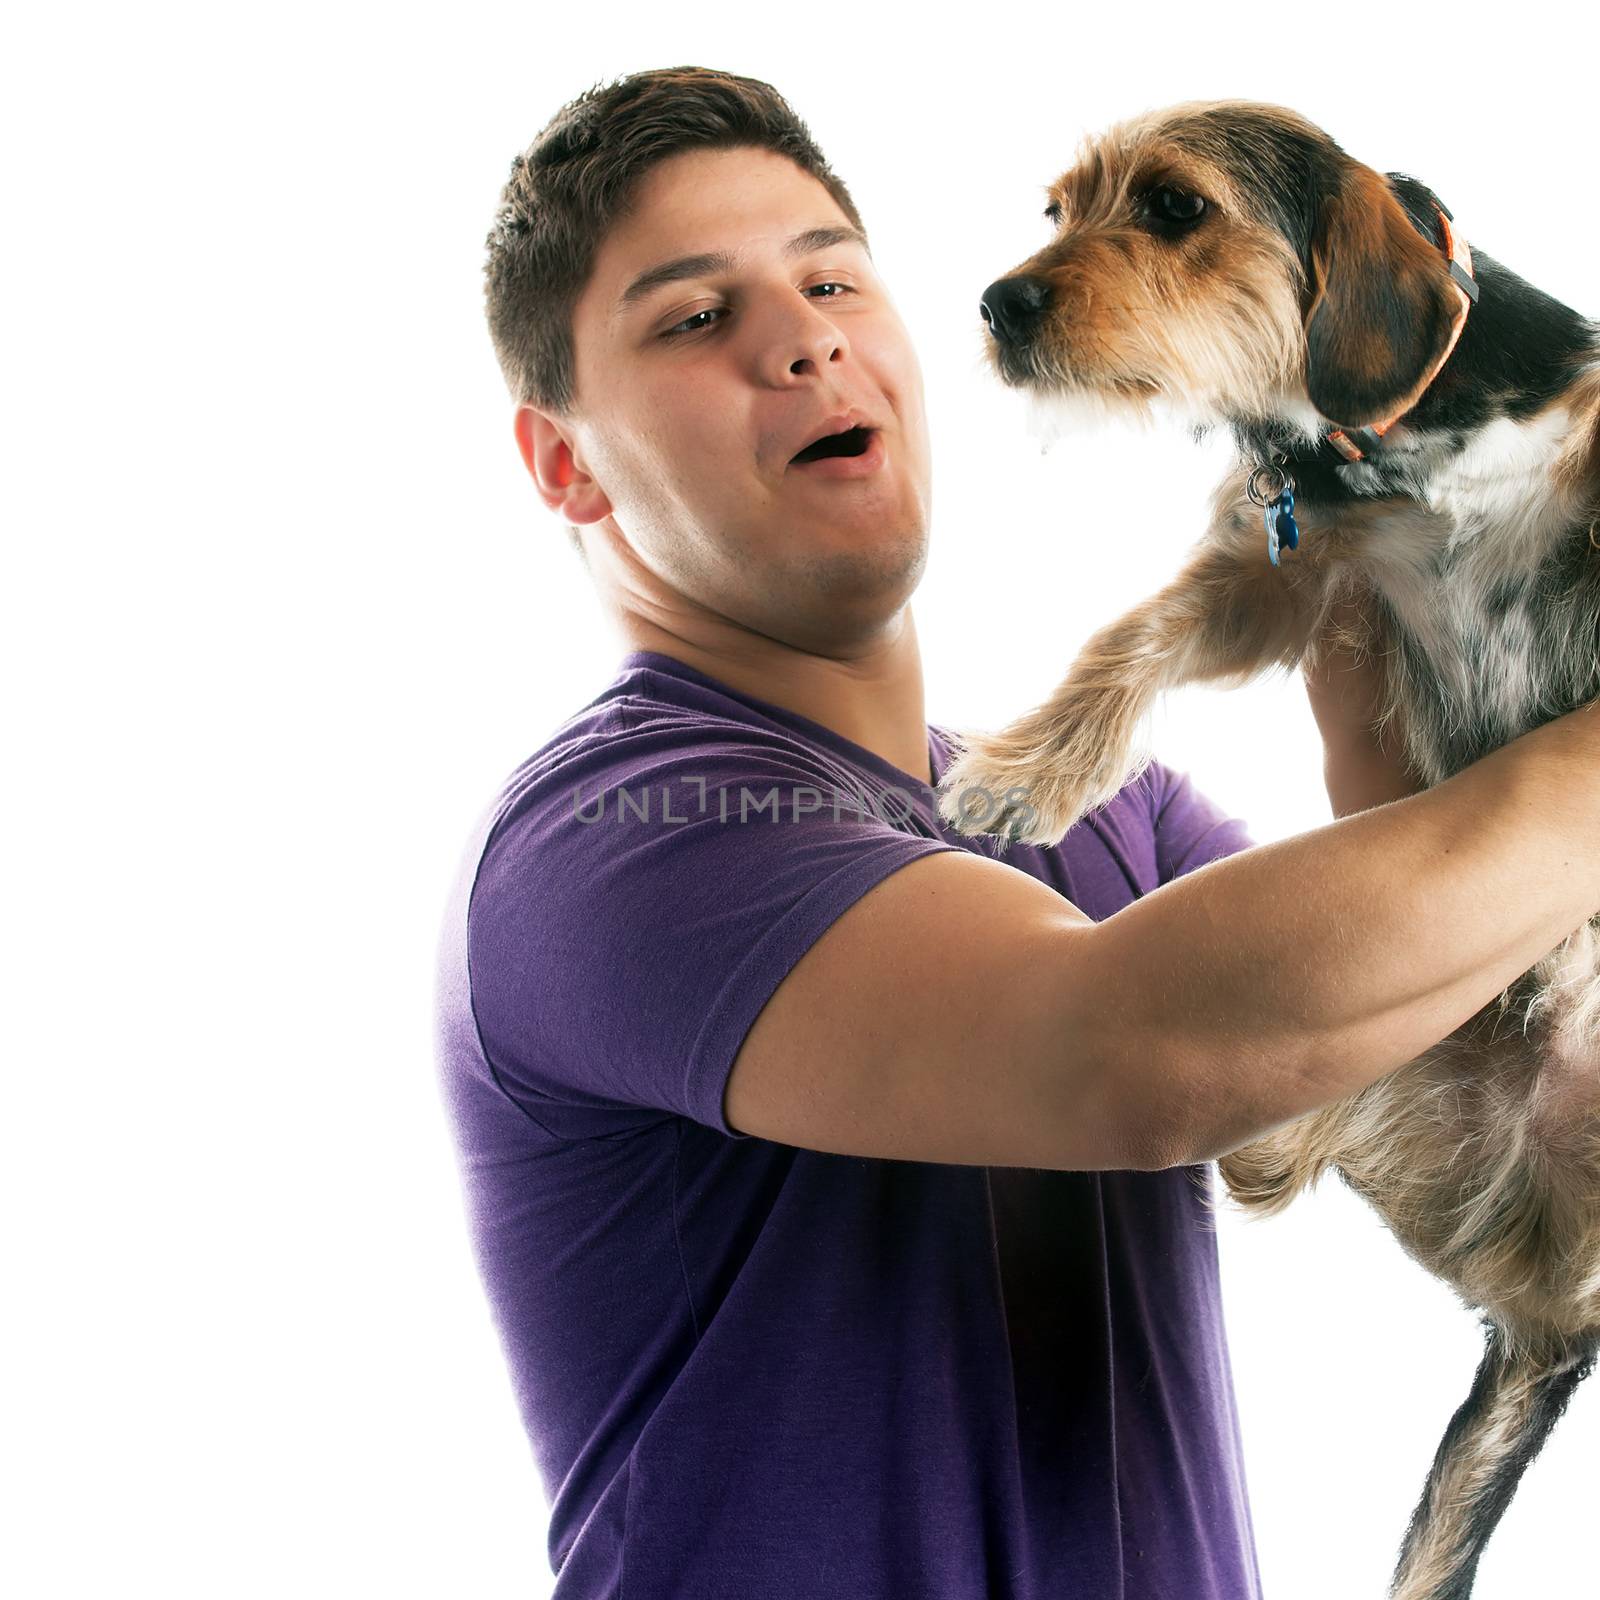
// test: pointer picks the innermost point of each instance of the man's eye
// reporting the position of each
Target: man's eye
(693, 324)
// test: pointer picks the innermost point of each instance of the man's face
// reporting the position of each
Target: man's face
(694, 395)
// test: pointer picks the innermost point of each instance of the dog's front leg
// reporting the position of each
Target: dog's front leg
(1228, 616)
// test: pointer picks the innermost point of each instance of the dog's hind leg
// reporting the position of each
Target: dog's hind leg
(1517, 1398)
(1227, 617)
(1265, 1175)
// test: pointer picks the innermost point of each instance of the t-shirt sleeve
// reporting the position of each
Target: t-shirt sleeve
(638, 903)
(1190, 830)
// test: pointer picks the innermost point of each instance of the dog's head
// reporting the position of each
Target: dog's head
(1230, 258)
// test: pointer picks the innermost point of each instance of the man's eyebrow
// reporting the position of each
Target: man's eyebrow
(802, 244)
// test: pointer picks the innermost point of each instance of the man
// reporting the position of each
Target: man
(840, 1183)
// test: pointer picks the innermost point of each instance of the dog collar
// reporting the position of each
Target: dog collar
(1357, 443)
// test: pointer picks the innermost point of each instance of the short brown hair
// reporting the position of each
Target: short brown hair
(579, 176)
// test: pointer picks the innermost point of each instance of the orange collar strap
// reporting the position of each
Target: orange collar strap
(1356, 444)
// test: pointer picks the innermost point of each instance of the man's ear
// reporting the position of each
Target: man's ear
(557, 473)
(1382, 308)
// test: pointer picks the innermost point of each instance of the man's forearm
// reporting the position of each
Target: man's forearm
(1292, 975)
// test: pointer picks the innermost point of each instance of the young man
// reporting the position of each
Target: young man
(839, 1183)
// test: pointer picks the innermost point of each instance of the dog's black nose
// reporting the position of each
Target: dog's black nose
(1013, 306)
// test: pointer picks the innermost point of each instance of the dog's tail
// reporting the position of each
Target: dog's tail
(1517, 1398)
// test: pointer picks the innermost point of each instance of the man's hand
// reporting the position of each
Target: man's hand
(1362, 765)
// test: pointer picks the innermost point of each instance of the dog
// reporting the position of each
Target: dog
(1417, 430)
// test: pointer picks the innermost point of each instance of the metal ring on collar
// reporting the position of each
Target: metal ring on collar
(1259, 496)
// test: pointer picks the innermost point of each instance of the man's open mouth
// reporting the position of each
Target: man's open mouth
(852, 442)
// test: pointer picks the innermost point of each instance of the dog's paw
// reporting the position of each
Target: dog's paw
(1019, 796)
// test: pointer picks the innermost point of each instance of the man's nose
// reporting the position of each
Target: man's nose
(813, 345)
(1012, 307)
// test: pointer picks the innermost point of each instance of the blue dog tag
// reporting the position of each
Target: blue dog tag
(1282, 529)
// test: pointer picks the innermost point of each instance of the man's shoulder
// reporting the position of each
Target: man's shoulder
(1188, 827)
(647, 758)
(648, 879)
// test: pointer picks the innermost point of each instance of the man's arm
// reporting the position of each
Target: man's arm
(1362, 765)
(963, 1012)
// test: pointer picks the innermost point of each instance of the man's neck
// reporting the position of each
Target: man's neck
(873, 698)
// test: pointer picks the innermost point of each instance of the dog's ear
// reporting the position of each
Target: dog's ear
(1382, 306)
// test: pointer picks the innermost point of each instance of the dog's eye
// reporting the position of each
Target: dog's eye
(1175, 206)
(1052, 214)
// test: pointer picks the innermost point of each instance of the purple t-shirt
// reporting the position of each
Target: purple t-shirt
(748, 1369)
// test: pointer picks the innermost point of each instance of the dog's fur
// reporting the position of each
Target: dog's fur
(1314, 292)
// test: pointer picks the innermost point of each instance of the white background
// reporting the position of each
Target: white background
(282, 609)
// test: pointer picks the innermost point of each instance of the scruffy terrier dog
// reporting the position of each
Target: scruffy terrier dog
(1417, 425)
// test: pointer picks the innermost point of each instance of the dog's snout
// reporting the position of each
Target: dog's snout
(1012, 307)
